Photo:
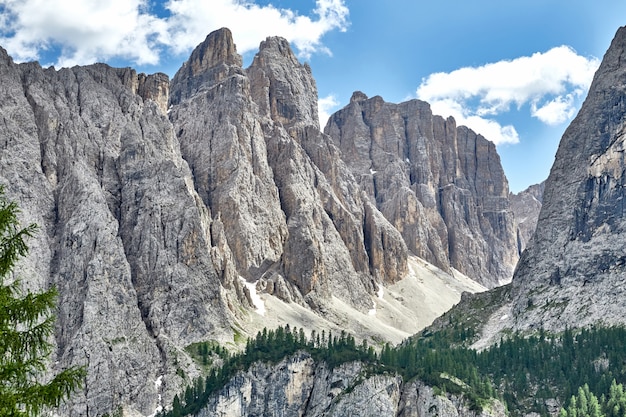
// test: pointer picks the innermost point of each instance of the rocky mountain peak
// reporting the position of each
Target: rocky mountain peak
(211, 62)
(358, 97)
(282, 87)
(164, 229)
(440, 185)
(5, 59)
(217, 49)
(280, 45)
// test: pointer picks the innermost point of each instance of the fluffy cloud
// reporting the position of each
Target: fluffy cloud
(549, 83)
(325, 106)
(94, 30)
(85, 31)
(251, 23)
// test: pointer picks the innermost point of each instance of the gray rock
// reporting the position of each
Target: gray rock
(526, 206)
(298, 386)
(156, 201)
(572, 272)
(124, 237)
(441, 186)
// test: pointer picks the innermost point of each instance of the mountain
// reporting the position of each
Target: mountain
(440, 185)
(571, 273)
(526, 206)
(206, 208)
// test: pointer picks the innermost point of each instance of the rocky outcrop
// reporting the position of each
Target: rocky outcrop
(572, 272)
(290, 209)
(164, 206)
(526, 206)
(123, 233)
(298, 386)
(440, 185)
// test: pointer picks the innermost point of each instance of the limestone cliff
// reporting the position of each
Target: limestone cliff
(123, 234)
(573, 269)
(291, 212)
(159, 204)
(440, 185)
(526, 206)
(165, 207)
(297, 386)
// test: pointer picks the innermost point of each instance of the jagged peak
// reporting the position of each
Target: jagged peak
(218, 48)
(280, 45)
(283, 88)
(358, 97)
(4, 57)
(210, 63)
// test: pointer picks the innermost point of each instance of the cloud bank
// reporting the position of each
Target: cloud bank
(549, 84)
(92, 30)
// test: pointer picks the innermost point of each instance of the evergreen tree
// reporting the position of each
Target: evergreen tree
(26, 323)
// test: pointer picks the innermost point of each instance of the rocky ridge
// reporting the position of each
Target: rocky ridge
(526, 206)
(440, 185)
(572, 272)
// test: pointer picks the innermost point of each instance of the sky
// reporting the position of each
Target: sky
(514, 71)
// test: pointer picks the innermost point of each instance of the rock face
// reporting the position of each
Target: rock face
(440, 185)
(573, 270)
(289, 209)
(298, 386)
(90, 156)
(526, 206)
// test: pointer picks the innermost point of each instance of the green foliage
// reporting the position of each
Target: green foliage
(586, 403)
(523, 370)
(26, 323)
(269, 346)
(546, 366)
(204, 353)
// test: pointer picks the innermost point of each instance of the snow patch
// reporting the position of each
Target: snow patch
(372, 311)
(372, 171)
(506, 316)
(157, 386)
(258, 303)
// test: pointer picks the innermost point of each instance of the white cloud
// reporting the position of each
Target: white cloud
(250, 23)
(325, 106)
(489, 128)
(93, 30)
(557, 110)
(549, 82)
(86, 31)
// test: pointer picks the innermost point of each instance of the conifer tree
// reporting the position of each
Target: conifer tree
(26, 323)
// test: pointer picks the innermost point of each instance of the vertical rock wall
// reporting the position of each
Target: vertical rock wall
(441, 186)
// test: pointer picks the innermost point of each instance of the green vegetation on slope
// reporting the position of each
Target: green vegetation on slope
(524, 372)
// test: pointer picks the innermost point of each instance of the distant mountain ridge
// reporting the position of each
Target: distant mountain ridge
(440, 185)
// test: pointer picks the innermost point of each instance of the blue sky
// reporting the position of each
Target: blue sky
(514, 71)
